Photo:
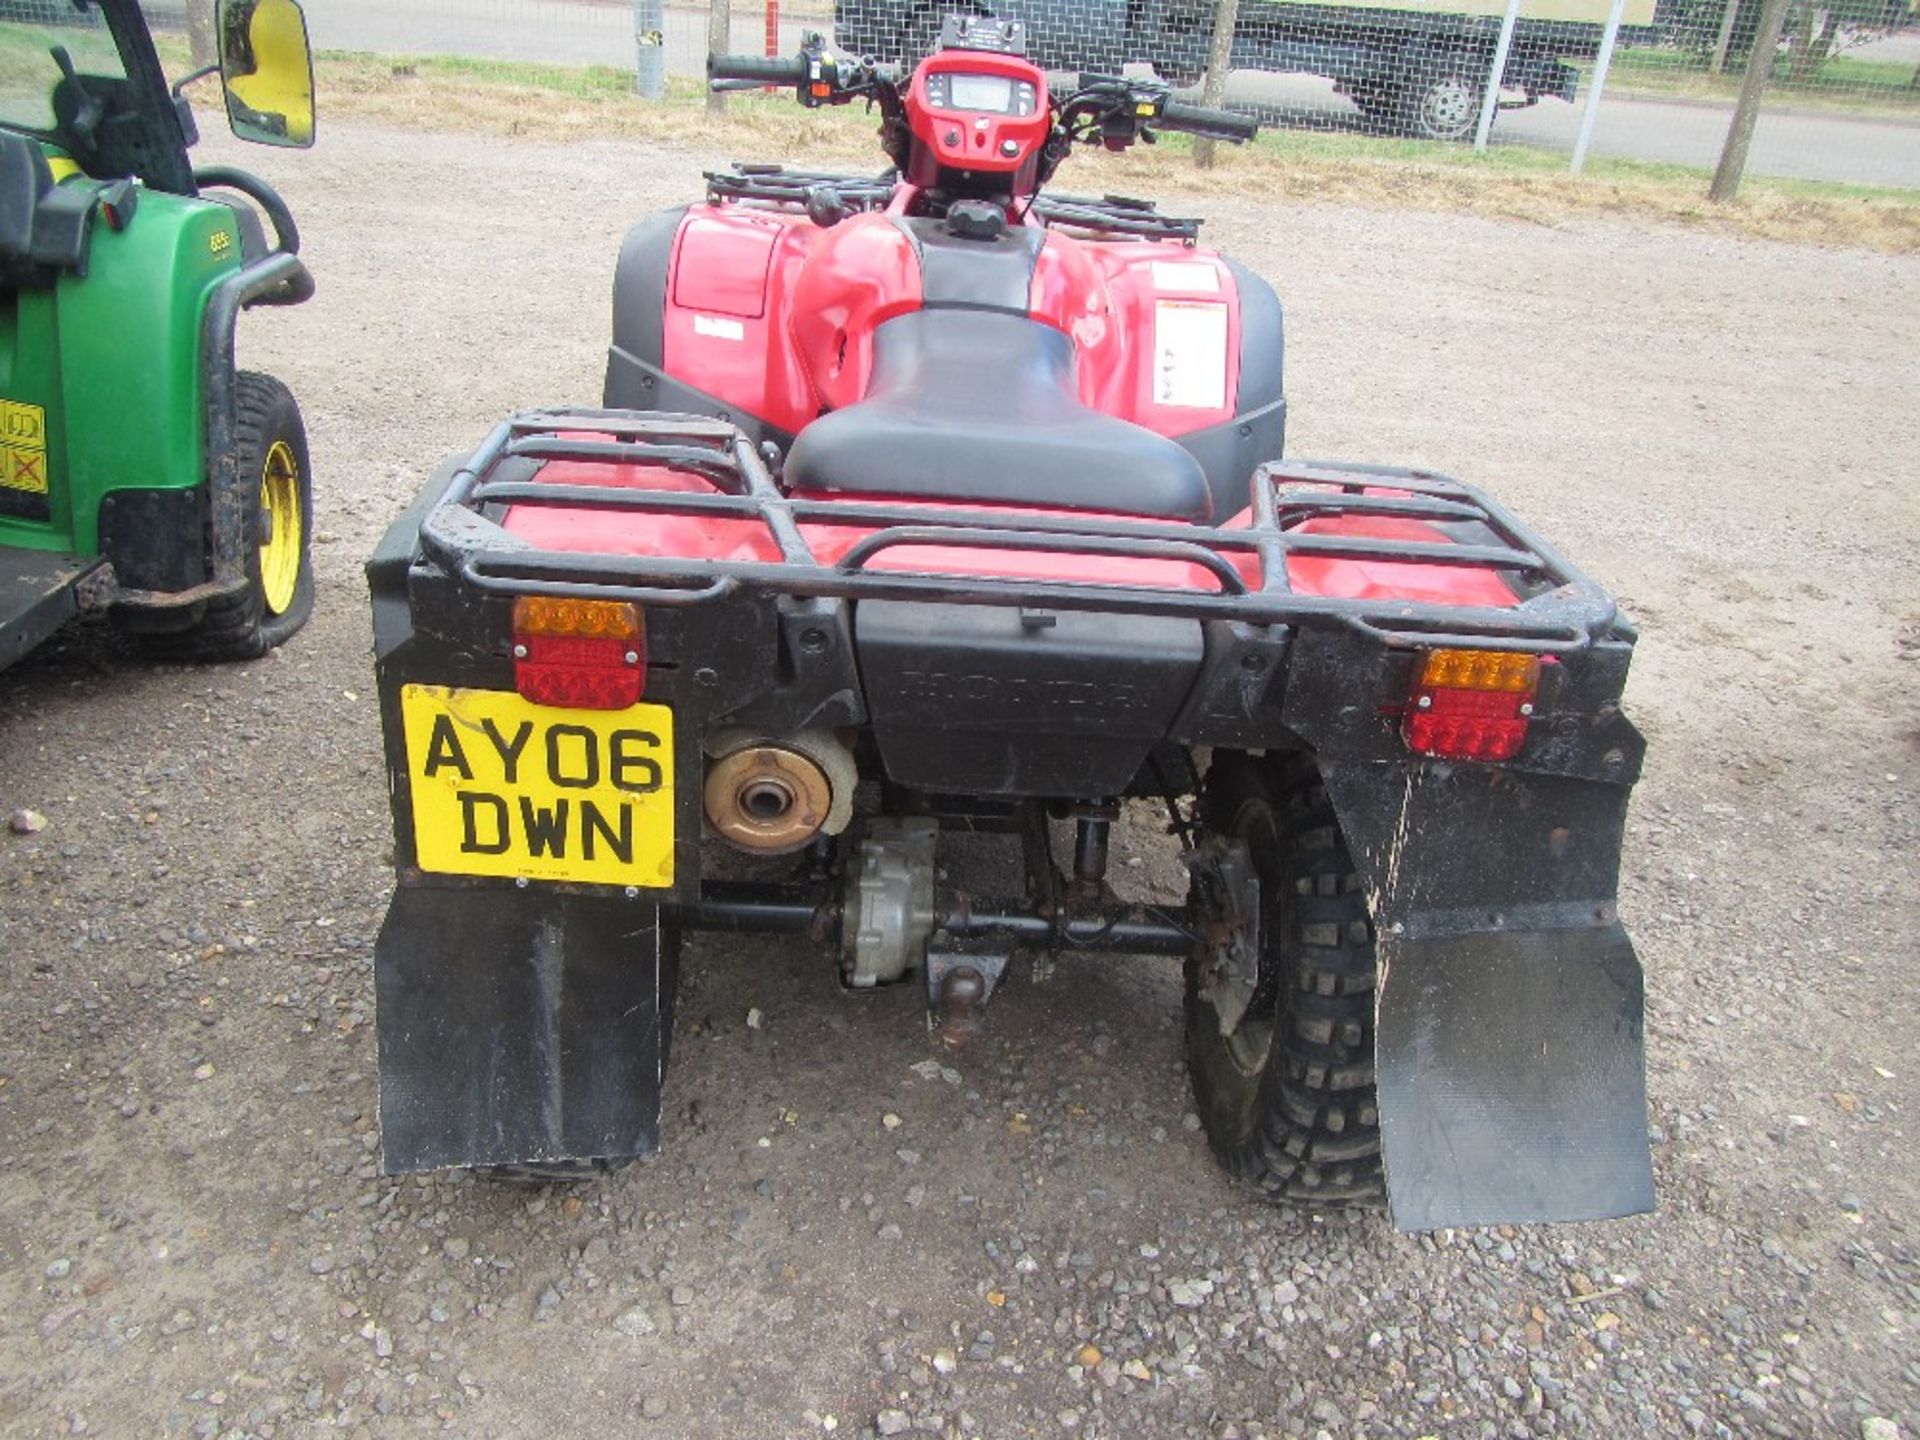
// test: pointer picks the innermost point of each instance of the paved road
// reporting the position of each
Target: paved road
(1794, 145)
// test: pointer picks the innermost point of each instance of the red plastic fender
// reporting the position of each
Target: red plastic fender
(724, 326)
(859, 275)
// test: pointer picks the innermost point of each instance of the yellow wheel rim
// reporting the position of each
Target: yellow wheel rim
(281, 551)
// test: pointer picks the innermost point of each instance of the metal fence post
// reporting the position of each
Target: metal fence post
(719, 42)
(1600, 67)
(1226, 15)
(1490, 101)
(1733, 159)
(650, 49)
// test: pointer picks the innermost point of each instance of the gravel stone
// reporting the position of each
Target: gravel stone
(635, 1322)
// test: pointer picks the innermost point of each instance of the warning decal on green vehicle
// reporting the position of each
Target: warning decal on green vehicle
(23, 447)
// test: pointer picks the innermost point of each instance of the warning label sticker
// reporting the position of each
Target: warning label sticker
(1186, 275)
(23, 447)
(1190, 354)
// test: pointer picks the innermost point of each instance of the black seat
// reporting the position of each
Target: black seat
(980, 405)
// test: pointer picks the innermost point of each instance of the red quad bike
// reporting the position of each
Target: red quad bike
(935, 503)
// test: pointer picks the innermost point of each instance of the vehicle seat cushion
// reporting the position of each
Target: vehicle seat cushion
(980, 405)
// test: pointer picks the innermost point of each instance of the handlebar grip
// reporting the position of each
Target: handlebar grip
(759, 69)
(1202, 120)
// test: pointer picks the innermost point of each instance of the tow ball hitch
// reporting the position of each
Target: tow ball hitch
(959, 984)
(896, 918)
(892, 925)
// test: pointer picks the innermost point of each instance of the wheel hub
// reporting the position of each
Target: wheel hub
(1448, 108)
(1230, 914)
(281, 542)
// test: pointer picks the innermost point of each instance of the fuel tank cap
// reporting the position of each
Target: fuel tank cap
(976, 220)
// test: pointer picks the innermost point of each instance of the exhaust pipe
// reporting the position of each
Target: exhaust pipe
(771, 796)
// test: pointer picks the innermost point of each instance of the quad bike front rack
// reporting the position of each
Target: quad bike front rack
(842, 195)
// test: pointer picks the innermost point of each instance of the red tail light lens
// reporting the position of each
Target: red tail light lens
(1471, 704)
(579, 654)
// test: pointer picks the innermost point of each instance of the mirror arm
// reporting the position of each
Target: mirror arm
(202, 73)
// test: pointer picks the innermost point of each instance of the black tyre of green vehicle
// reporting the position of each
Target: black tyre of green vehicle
(579, 1172)
(1287, 1097)
(270, 453)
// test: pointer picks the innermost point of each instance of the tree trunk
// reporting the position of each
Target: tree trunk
(1725, 36)
(1800, 42)
(1733, 158)
(719, 42)
(201, 41)
(1806, 67)
(1226, 14)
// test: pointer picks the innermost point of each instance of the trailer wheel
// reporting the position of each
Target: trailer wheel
(1442, 104)
(270, 449)
(1287, 1095)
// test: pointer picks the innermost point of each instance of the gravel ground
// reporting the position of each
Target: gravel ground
(194, 1233)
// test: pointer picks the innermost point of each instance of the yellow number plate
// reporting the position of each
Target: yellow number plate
(505, 787)
(23, 447)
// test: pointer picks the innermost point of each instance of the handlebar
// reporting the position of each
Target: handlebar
(1108, 109)
(1202, 120)
(758, 69)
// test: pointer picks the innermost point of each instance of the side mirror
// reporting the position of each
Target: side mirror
(266, 68)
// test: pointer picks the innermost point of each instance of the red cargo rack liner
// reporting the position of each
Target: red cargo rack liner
(1555, 609)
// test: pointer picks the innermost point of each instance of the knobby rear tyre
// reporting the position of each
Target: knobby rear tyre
(1287, 1099)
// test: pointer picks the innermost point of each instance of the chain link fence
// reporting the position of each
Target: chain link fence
(1842, 105)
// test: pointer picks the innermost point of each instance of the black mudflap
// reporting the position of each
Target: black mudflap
(1511, 1077)
(519, 1026)
(1509, 1050)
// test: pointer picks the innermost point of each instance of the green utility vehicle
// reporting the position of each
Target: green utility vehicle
(141, 475)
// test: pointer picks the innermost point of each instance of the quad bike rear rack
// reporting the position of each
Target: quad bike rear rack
(1508, 1049)
(1559, 611)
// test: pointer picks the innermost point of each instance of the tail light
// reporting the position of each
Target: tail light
(1472, 704)
(582, 654)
